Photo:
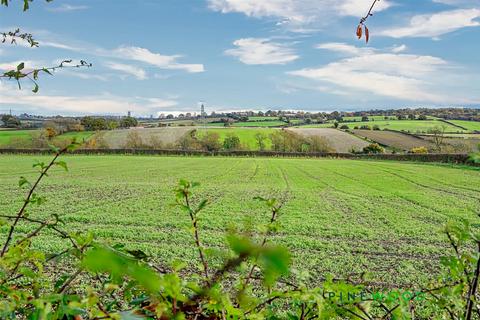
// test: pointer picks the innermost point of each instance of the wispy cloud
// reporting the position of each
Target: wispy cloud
(256, 51)
(405, 77)
(67, 8)
(436, 24)
(134, 71)
(155, 59)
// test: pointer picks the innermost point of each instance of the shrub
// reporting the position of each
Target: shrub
(189, 141)
(210, 141)
(260, 139)
(376, 127)
(365, 127)
(318, 144)
(287, 141)
(419, 150)
(231, 142)
(373, 148)
(344, 127)
(134, 140)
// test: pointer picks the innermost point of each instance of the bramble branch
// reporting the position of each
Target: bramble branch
(18, 74)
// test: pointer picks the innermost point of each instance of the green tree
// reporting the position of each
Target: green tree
(128, 122)
(231, 142)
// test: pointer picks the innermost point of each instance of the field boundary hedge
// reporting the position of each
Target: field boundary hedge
(445, 158)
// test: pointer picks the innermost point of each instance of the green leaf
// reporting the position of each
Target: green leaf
(23, 181)
(35, 89)
(62, 164)
(21, 66)
(118, 265)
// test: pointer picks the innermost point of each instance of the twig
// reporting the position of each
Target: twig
(27, 201)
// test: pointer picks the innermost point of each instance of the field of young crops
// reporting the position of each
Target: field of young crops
(340, 216)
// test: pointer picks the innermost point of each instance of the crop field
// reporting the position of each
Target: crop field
(412, 126)
(340, 141)
(469, 125)
(393, 139)
(339, 216)
(246, 135)
(8, 136)
(116, 139)
(262, 118)
(275, 123)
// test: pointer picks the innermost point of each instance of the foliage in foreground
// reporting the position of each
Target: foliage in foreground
(253, 281)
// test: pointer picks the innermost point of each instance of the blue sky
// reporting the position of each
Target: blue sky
(164, 56)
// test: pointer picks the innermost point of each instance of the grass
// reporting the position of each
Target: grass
(262, 118)
(412, 126)
(6, 136)
(259, 124)
(340, 217)
(246, 135)
(469, 125)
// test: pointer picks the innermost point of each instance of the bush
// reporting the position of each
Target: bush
(260, 139)
(419, 150)
(287, 141)
(210, 141)
(344, 127)
(373, 148)
(376, 127)
(318, 144)
(365, 127)
(189, 141)
(231, 142)
(134, 140)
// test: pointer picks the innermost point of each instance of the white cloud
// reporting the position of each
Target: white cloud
(398, 49)
(345, 48)
(67, 8)
(405, 77)
(437, 24)
(101, 104)
(155, 59)
(137, 72)
(296, 13)
(255, 51)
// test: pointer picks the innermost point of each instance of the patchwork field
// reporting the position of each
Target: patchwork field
(340, 141)
(469, 125)
(412, 126)
(393, 139)
(340, 216)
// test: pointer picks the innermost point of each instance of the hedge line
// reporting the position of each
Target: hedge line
(445, 158)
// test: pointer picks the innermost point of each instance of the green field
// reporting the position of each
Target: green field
(412, 126)
(6, 136)
(340, 216)
(275, 123)
(469, 125)
(246, 135)
(262, 118)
